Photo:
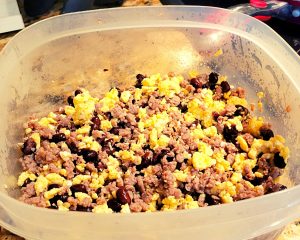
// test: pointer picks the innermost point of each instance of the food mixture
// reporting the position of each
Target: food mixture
(166, 143)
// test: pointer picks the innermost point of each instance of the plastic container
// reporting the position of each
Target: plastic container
(49, 59)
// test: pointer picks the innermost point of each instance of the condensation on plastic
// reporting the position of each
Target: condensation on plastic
(48, 60)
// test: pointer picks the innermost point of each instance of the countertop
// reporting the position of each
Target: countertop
(291, 232)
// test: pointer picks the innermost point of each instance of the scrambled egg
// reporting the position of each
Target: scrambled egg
(24, 176)
(275, 144)
(125, 96)
(203, 108)
(235, 121)
(222, 165)
(241, 161)
(48, 122)
(84, 107)
(171, 203)
(37, 139)
(41, 184)
(243, 143)
(51, 193)
(63, 206)
(109, 100)
(105, 125)
(254, 125)
(80, 178)
(125, 155)
(157, 121)
(226, 190)
(234, 100)
(112, 166)
(102, 209)
(98, 180)
(180, 175)
(202, 161)
(83, 196)
(170, 86)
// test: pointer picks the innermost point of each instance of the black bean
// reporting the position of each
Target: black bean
(178, 166)
(139, 79)
(26, 182)
(279, 161)
(73, 147)
(83, 209)
(140, 174)
(101, 166)
(98, 191)
(63, 198)
(196, 83)
(95, 123)
(108, 115)
(29, 146)
(59, 126)
(101, 140)
(255, 168)
(115, 130)
(107, 146)
(212, 199)
(114, 205)
(183, 189)
(78, 188)
(108, 150)
(230, 134)
(183, 108)
(241, 111)
(146, 160)
(159, 156)
(105, 70)
(195, 195)
(70, 101)
(72, 127)
(58, 137)
(212, 86)
(144, 104)
(213, 78)
(225, 86)
(89, 155)
(122, 124)
(108, 143)
(215, 115)
(124, 168)
(170, 159)
(256, 181)
(282, 187)
(123, 196)
(205, 85)
(78, 91)
(53, 186)
(159, 206)
(53, 206)
(266, 133)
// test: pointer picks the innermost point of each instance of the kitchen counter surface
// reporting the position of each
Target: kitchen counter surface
(291, 232)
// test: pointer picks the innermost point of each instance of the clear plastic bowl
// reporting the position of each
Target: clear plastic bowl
(48, 60)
